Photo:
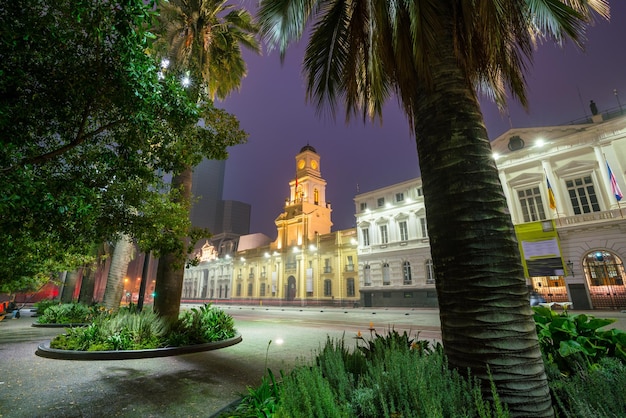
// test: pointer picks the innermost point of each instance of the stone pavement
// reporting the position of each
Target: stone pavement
(192, 385)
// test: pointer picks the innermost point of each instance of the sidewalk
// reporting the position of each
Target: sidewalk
(191, 385)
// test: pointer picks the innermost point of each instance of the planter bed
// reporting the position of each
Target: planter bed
(44, 350)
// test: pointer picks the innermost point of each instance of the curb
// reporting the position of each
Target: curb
(44, 350)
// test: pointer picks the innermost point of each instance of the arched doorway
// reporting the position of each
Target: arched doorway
(290, 294)
(604, 272)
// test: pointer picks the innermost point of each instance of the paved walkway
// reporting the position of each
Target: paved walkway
(192, 385)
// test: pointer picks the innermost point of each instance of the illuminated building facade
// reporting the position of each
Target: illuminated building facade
(307, 264)
(395, 267)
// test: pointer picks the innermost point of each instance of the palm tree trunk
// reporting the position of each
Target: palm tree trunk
(87, 285)
(122, 255)
(486, 319)
(171, 269)
(69, 287)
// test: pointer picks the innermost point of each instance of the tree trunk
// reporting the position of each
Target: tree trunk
(486, 319)
(87, 284)
(169, 281)
(69, 287)
(122, 255)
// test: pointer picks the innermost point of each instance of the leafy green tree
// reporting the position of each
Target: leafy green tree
(434, 56)
(201, 39)
(82, 111)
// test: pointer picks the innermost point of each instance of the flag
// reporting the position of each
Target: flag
(614, 186)
(551, 199)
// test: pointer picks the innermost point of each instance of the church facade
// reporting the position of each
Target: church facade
(307, 264)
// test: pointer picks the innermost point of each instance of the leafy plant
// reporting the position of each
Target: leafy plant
(68, 313)
(577, 342)
(131, 330)
(202, 325)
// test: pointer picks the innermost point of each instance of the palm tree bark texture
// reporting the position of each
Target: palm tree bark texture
(486, 320)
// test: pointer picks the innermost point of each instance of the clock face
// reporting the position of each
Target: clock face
(301, 164)
(314, 165)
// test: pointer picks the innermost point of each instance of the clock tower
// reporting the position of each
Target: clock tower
(307, 213)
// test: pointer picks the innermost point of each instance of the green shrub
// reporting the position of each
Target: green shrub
(67, 313)
(594, 393)
(577, 342)
(389, 376)
(201, 325)
(44, 304)
(131, 330)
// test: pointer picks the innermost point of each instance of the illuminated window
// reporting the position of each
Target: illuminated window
(582, 195)
(404, 231)
(386, 275)
(316, 196)
(384, 238)
(423, 228)
(430, 271)
(406, 272)
(531, 204)
(365, 235)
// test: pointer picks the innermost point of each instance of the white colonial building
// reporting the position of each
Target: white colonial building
(573, 243)
(395, 267)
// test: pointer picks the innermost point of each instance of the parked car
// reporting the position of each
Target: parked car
(536, 298)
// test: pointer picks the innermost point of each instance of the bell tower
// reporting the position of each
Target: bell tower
(306, 211)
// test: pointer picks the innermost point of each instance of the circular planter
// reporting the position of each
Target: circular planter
(76, 325)
(44, 350)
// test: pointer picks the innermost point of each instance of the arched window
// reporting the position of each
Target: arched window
(316, 196)
(367, 277)
(386, 276)
(430, 271)
(406, 272)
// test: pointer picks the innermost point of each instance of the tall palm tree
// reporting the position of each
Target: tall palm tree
(122, 256)
(435, 56)
(202, 38)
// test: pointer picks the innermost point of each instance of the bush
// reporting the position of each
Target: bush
(388, 376)
(67, 313)
(594, 393)
(201, 325)
(577, 343)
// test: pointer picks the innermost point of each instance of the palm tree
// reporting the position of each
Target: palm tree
(122, 256)
(435, 56)
(201, 38)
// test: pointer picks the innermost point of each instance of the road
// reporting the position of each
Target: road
(191, 385)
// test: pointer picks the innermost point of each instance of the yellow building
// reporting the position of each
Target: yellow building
(307, 264)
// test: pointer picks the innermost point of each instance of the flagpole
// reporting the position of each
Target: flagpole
(615, 190)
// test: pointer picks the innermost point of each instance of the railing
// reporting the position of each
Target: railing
(590, 217)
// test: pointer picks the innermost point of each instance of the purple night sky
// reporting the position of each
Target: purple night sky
(271, 107)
